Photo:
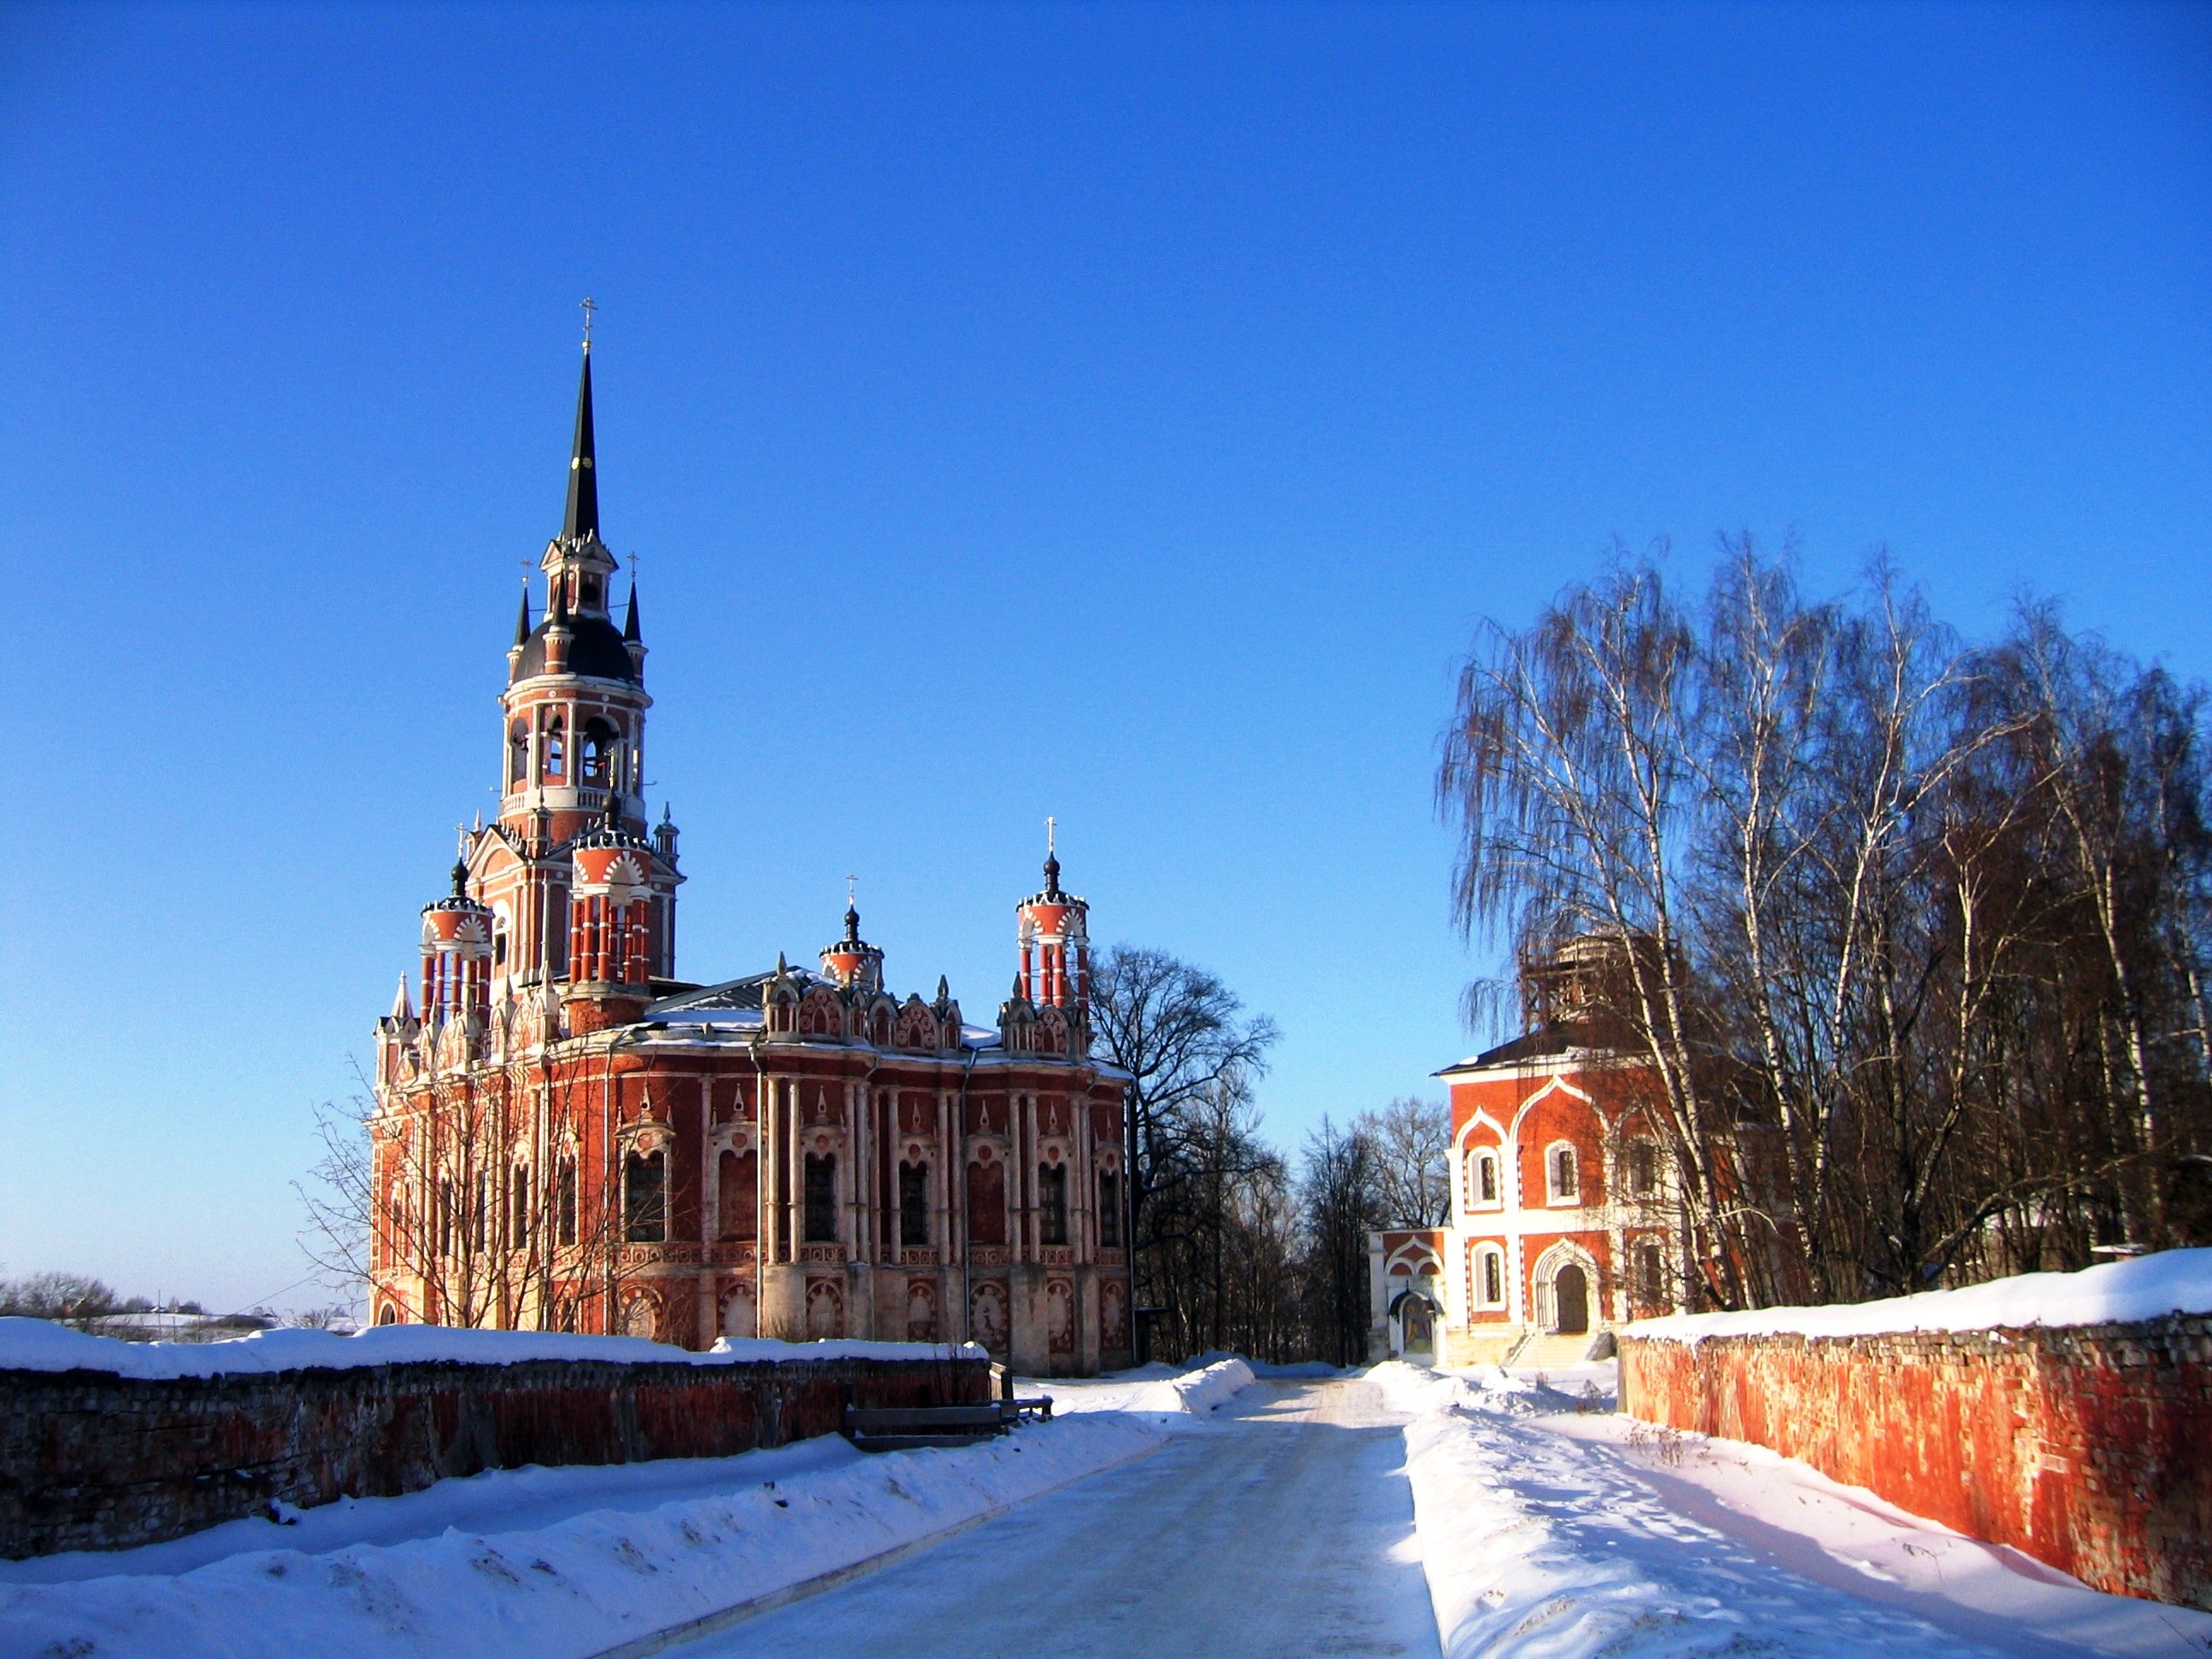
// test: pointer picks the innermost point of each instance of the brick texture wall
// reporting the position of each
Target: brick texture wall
(91, 1460)
(2089, 1448)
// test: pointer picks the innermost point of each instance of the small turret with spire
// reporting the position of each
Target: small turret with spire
(852, 960)
(1053, 930)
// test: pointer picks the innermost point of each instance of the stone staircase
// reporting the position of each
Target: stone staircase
(1551, 1352)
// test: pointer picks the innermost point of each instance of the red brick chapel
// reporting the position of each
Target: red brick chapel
(568, 1136)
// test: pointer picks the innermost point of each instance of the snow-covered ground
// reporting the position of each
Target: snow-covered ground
(600, 1557)
(1555, 1534)
(1315, 1511)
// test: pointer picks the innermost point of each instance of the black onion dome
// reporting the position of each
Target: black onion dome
(595, 649)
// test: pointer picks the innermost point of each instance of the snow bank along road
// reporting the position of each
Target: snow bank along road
(1547, 1535)
(1194, 1512)
(1283, 1525)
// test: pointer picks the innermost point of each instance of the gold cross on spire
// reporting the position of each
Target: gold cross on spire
(590, 305)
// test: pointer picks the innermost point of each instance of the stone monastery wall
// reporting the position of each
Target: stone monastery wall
(90, 1459)
(2087, 1446)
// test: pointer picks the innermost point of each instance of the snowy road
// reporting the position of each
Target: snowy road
(1286, 1530)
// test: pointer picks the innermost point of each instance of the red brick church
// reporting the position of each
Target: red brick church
(1564, 1220)
(568, 1136)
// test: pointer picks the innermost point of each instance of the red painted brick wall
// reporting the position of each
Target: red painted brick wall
(2089, 1448)
(92, 1460)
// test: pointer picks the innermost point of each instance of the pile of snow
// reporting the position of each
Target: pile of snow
(571, 1590)
(37, 1345)
(1157, 1390)
(1546, 1535)
(2112, 1293)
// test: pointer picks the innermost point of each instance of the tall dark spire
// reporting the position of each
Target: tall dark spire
(582, 519)
(629, 627)
(522, 621)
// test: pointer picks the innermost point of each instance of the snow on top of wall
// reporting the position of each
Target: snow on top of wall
(2112, 1293)
(35, 1345)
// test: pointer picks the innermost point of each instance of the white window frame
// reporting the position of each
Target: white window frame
(1475, 1160)
(1553, 1195)
(1484, 1256)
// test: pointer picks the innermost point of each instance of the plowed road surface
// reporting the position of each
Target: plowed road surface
(1284, 1527)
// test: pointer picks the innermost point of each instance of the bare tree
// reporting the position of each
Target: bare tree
(476, 1197)
(1341, 1209)
(1410, 1143)
(1911, 934)
(1191, 1052)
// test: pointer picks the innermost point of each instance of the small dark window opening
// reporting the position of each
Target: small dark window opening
(591, 592)
(599, 740)
(499, 944)
(1052, 1204)
(1642, 1168)
(1486, 1178)
(913, 1205)
(564, 1202)
(1493, 1279)
(1109, 1211)
(1650, 1276)
(556, 753)
(644, 1197)
(518, 1213)
(1562, 1173)
(518, 756)
(821, 1198)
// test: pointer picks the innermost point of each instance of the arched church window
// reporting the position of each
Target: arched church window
(1566, 1176)
(1642, 1168)
(1052, 1204)
(499, 942)
(821, 1198)
(518, 756)
(913, 1205)
(519, 1208)
(1486, 1178)
(1493, 1277)
(591, 590)
(564, 1201)
(599, 741)
(644, 1197)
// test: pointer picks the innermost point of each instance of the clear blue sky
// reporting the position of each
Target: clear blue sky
(1120, 413)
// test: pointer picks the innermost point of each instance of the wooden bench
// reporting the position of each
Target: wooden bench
(907, 1428)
